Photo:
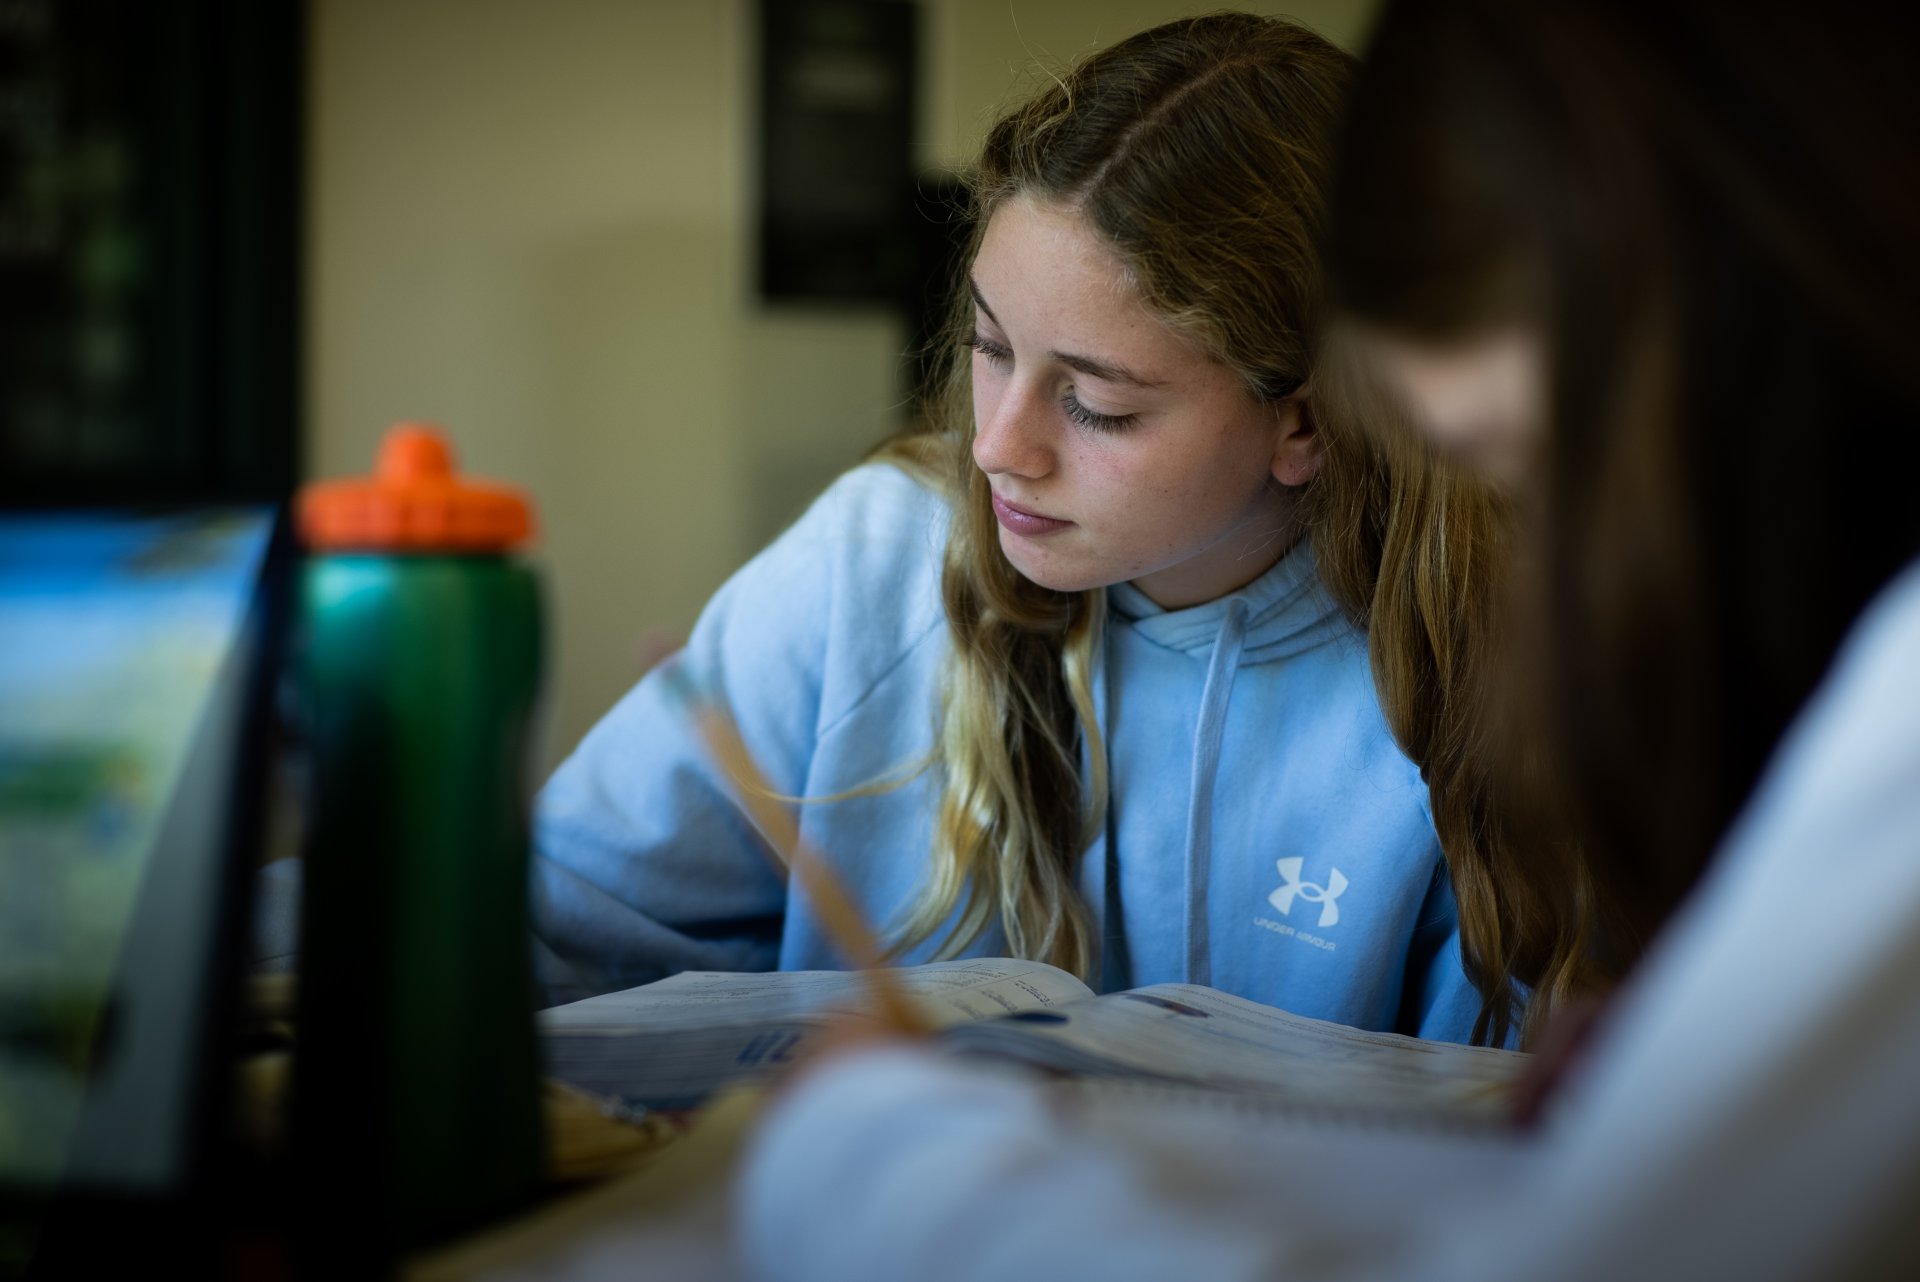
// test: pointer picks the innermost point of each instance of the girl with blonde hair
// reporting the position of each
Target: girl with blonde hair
(1142, 659)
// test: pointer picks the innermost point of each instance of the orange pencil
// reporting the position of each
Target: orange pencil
(839, 915)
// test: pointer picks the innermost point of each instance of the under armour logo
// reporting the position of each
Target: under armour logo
(1311, 892)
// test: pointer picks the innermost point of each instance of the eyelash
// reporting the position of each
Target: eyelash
(1078, 413)
(1093, 419)
(989, 349)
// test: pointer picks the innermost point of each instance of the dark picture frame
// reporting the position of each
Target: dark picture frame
(837, 117)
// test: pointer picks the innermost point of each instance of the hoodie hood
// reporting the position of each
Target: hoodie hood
(1288, 612)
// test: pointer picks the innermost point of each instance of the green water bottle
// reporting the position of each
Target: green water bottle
(415, 1111)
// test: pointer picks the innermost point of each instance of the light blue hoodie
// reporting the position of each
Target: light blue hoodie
(1264, 833)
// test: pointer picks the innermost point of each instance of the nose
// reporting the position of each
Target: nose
(1012, 434)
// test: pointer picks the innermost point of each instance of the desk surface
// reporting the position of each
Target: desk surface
(668, 1216)
(652, 1183)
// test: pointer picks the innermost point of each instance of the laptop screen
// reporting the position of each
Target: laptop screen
(131, 654)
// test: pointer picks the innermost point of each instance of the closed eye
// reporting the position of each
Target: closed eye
(1094, 419)
(993, 351)
(999, 355)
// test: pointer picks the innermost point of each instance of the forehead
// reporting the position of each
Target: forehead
(1042, 236)
(1042, 267)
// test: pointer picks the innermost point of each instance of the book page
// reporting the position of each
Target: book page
(950, 991)
(1194, 1034)
(669, 1044)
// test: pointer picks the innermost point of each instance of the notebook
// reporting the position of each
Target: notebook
(137, 652)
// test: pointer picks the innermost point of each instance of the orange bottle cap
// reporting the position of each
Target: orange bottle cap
(414, 502)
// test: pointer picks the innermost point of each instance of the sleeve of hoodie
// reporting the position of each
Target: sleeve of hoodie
(644, 864)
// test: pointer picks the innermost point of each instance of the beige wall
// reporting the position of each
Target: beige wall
(530, 222)
(981, 54)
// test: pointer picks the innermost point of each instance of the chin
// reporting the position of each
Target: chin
(1047, 573)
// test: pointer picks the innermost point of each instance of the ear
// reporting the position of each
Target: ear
(1296, 442)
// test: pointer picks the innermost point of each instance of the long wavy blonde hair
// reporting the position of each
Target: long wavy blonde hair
(1199, 151)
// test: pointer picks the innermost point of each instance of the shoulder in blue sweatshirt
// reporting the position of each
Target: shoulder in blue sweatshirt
(1265, 835)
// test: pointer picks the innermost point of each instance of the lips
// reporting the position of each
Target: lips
(1021, 521)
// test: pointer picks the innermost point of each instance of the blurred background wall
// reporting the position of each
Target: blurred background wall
(534, 224)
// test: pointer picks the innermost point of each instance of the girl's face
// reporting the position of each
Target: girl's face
(1118, 450)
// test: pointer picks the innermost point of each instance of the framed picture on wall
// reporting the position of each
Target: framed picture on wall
(837, 112)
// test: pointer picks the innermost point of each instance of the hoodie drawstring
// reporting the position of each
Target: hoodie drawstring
(1221, 670)
(1098, 878)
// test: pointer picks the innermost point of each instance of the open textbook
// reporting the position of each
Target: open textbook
(670, 1044)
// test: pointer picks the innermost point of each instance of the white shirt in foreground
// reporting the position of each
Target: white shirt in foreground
(1753, 1111)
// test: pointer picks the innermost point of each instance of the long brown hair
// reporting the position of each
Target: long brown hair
(1711, 213)
(1199, 151)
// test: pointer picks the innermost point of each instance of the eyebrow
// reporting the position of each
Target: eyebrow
(1085, 364)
